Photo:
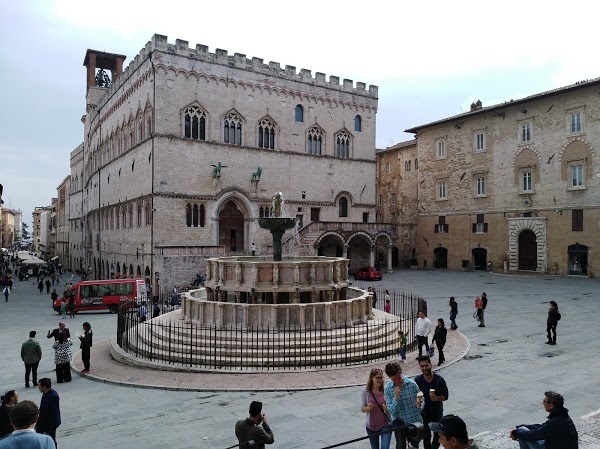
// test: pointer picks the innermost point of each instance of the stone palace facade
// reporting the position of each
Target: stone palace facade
(184, 148)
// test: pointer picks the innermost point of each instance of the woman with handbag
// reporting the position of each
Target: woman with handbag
(373, 404)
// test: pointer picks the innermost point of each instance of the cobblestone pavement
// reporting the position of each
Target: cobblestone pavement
(498, 384)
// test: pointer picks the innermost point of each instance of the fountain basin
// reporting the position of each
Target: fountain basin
(321, 315)
(262, 274)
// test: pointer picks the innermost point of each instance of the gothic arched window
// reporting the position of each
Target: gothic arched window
(315, 141)
(342, 145)
(232, 129)
(266, 134)
(195, 123)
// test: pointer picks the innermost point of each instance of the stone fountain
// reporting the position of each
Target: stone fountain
(283, 299)
(277, 225)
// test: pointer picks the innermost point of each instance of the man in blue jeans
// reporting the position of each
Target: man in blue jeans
(423, 329)
(401, 399)
(557, 433)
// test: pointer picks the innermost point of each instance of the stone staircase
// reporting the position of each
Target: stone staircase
(302, 242)
(190, 345)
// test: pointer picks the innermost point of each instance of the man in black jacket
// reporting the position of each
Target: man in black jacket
(557, 433)
(250, 433)
(49, 417)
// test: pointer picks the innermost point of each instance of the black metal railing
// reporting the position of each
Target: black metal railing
(403, 433)
(198, 345)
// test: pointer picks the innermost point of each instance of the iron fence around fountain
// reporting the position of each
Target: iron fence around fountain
(189, 344)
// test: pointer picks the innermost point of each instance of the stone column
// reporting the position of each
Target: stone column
(389, 259)
(372, 256)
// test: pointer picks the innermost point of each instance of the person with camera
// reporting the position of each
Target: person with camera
(254, 432)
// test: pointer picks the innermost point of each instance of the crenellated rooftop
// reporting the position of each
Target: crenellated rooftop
(240, 61)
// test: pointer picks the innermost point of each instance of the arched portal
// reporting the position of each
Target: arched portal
(331, 245)
(479, 259)
(440, 258)
(361, 251)
(527, 250)
(231, 227)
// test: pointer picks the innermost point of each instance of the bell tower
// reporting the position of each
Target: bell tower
(98, 63)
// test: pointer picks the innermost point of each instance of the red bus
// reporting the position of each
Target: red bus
(105, 294)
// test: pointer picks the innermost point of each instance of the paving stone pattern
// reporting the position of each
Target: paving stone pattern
(499, 384)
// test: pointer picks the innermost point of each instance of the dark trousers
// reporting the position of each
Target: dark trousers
(441, 357)
(63, 372)
(31, 368)
(85, 357)
(52, 435)
(422, 340)
(427, 442)
(551, 331)
(453, 321)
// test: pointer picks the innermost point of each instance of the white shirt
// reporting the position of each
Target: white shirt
(423, 327)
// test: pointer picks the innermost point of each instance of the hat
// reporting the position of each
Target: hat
(255, 408)
(451, 426)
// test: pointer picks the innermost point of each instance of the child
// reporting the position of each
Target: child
(402, 345)
(63, 308)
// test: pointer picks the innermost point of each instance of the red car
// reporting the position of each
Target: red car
(368, 274)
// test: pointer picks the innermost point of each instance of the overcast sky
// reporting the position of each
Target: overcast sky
(429, 59)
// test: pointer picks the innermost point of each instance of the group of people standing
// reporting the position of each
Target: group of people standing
(393, 406)
(24, 425)
(31, 352)
(18, 420)
(440, 333)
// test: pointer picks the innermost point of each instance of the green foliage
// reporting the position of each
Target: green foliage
(25, 234)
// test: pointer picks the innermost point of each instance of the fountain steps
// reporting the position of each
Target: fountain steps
(233, 349)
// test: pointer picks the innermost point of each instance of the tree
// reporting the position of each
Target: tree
(25, 234)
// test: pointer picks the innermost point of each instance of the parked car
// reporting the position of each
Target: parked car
(368, 274)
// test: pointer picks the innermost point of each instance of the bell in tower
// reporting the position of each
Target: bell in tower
(102, 68)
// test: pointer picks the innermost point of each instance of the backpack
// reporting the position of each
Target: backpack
(558, 317)
(478, 303)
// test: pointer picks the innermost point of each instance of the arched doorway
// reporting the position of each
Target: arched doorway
(359, 252)
(231, 228)
(527, 250)
(440, 258)
(578, 255)
(331, 246)
(479, 258)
